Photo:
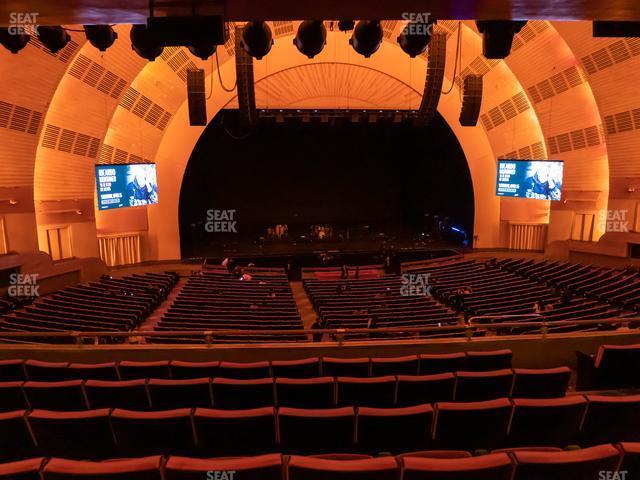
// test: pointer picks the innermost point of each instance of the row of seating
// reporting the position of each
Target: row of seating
(598, 462)
(472, 426)
(425, 364)
(319, 392)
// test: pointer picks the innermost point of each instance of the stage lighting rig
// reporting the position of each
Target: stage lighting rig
(311, 38)
(100, 36)
(257, 39)
(346, 25)
(367, 37)
(13, 42)
(497, 36)
(53, 38)
(144, 43)
(415, 37)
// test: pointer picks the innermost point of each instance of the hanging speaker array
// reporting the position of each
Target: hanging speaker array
(433, 82)
(471, 100)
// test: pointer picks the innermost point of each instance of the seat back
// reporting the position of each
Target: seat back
(477, 386)
(421, 389)
(345, 367)
(432, 364)
(171, 394)
(12, 397)
(618, 366)
(305, 368)
(311, 432)
(22, 470)
(39, 371)
(230, 393)
(16, 441)
(310, 468)
(181, 370)
(305, 392)
(366, 392)
(126, 394)
(64, 396)
(12, 371)
(491, 360)
(244, 371)
(495, 466)
(97, 371)
(611, 419)
(407, 365)
(126, 469)
(541, 383)
(394, 430)
(129, 370)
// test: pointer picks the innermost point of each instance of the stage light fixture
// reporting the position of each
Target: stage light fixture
(144, 43)
(367, 37)
(100, 36)
(203, 50)
(311, 37)
(346, 25)
(257, 39)
(415, 37)
(13, 43)
(53, 38)
(497, 36)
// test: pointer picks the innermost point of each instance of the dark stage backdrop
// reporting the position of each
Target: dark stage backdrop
(362, 177)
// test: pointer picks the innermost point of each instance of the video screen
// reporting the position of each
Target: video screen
(538, 179)
(131, 185)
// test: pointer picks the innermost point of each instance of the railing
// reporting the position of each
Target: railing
(337, 335)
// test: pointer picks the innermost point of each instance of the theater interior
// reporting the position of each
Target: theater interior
(318, 240)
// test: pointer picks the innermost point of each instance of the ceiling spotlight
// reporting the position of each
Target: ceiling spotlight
(144, 43)
(202, 50)
(415, 37)
(346, 25)
(257, 39)
(311, 37)
(497, 36)
(367, 37)
(100, 36)
(13, 43)
(53, 38)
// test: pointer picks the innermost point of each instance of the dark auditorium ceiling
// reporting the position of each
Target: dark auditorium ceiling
(135, 11)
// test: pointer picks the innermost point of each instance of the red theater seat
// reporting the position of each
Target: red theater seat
(12, 397)
(136, 370)
(547, 422)
(187, 370)
(407, 365)
(420, 389)
(127, 394)
(631, 459)
(222, 433)
(570, 465)
(263, 467)
(541, 383)
(167, 432)
(169, 394)
(611, 419)
(93, 371)
(312, 432)
(345, 367)
(79, 435)
(305, 368)
(495, 466)
(244, 371)
(12, 371)
(614, 366)
(485, 361)
(16, 441)
(473, 425)
(67, 395)
(46, 371)
(129, 469)
(310, 468)
(431, 364)
(242, 394)
(394, 430)
(305, 392)
(22, 469)
(477, 386)
(366, 392)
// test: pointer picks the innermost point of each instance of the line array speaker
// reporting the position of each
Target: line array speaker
(471, 100)
(196, 98)
(246, 87)
(433, 82)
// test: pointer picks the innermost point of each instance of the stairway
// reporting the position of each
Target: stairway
(305, 308)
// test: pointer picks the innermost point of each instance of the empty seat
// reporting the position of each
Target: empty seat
(134, 370)
(420, 389)
(472, 426)
(242, 394)
(244, 371)
(93, 371)
(12, 371)
(12, 397)
(570, 465)
(308, 431)
(407, 365)
(345, 367)
(46, 371)
(547, 422)
(67, 395)
(485, 361)
(394, 430)
(431, 364)
(541, 383)
(611, 419)
(170, 394)
(366, 392)
(78, 435)
(16, 441)
(22, 470)
(123, 469)
(477, 386)
(310, 468)
(631, 459)
(305, 392)
(305, 368)
(235, 432)
(614, 366)
(127, 394)
(262, 467)
(166, 432)
(186, 370)
(495, 466)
